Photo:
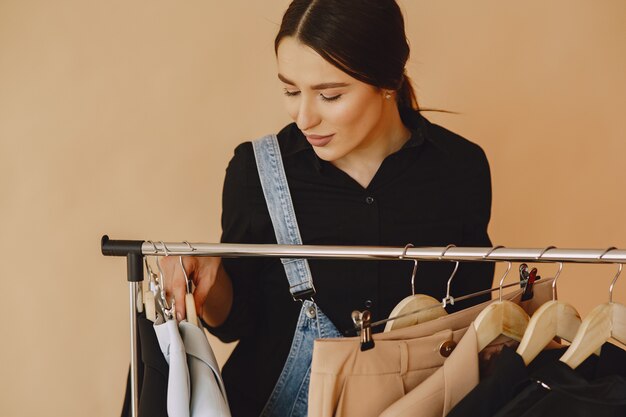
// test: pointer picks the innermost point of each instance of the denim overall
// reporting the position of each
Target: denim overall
(290, 395)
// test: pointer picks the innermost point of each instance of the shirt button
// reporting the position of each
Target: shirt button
(369, 200)
(446, 348)
(368, 303)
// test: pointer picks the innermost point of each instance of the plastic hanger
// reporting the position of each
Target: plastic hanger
(149, 293)
(501, 317)
(161, 301)
(604, 322)
(190, 304)
(418, 303)
(152, 290)
(552, 319)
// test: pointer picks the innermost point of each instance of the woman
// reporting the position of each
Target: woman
(363, 167)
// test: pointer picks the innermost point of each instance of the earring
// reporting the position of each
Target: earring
(388, 95)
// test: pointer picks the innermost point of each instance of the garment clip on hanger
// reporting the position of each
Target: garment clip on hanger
(414, 303)
(552, 319)
(604, 322)
(501, 317)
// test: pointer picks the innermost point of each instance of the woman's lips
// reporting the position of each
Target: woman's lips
(318, 140)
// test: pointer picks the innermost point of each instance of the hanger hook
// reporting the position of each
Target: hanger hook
(558, 273)
(449, 299)
(538, 257)
(165, 250)
(151, 274)
(556, 277)
(189, 245)
(508, 268)
(180, 259)
(410, 245)
(486, 256)
(619, 271)
(162, 279)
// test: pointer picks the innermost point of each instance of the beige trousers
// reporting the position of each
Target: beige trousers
(346, 382)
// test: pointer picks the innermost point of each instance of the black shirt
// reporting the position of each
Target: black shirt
(502, 384)
(596, 388)
(512, 387)
(434, 191)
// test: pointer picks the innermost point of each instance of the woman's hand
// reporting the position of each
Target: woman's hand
(213, 293)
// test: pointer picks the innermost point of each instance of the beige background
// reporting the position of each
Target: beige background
(119, 117)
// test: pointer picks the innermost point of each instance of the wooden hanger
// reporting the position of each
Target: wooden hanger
(149, 293)
(416, 308)
(604, 322)
(501, 317)
(190, 304)
(552, 319)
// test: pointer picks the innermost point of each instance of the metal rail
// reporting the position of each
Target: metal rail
(135, 250)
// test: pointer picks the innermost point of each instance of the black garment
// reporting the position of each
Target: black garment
(511, 388)
(502, 384)
(557, 390)
(435, 191)
(153, 372)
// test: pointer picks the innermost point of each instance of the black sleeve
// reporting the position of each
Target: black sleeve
(240, 199)
(476, 199)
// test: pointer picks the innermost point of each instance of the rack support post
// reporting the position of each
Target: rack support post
(135, 276)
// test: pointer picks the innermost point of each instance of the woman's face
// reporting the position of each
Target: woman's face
(338, 114)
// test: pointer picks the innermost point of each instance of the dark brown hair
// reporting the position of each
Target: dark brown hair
(363, 38)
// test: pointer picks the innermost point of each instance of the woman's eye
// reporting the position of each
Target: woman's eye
(331, 98)
(289, 93)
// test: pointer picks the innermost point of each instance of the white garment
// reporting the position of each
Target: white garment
(178, 385)
(208, 395)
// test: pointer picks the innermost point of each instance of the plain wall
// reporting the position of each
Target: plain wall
(120, 117)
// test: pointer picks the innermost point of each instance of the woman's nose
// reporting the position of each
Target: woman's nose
(307, 116)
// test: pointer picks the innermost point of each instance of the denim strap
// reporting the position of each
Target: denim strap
(276, 191)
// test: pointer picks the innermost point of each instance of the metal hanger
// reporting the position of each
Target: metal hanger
(552, 319)
(456, 299)
(363, 326)
(604, 322)
(414, 302)
(448, 299)
(501, 317)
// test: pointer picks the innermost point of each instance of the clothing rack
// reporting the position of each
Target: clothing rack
(135, 250)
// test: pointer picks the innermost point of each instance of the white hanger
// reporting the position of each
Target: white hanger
(501, 317)
(552, 319)
(149, 293)
(604, 322)
(161, 301)
(190, 304)
(424, 306)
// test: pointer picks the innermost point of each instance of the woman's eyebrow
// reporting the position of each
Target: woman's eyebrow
(321, 86)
